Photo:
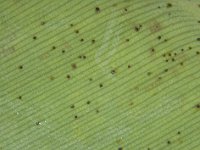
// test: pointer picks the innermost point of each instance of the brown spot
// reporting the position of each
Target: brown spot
(74, 66)
(113, 71)
(155, 27)
(52, 78)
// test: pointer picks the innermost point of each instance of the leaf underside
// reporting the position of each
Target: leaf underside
(99, 74)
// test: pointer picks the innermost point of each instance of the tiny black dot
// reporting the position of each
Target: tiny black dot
(199, 21)
(189, 47)
(125, 9)
(120, 148)
(170, 54)
(173, 59)
(198, 39)
(169, 5)
(175, 54)
(77, 31)
(68, 76)
(181, 63)
(34, 37)
(72, 106)
(53, 47)
(127, 40)
(129, 66)
(166, 60)
(159, 37)
(168, 142)
(82, 40)
(137, 29)
(198, 106)
(197, 52)
(37, 123)
(19, 97)
(84, 57)
(20, 67)
(178, 132)
(63, 51)
(93, 41)
(100, 85)
(182, 49)
(75, 116)
(88, 102)
(113, 71)
(43, 23)
(71, 25)
(152, 49)
(166, 70)
(164, 55)
(97, 9)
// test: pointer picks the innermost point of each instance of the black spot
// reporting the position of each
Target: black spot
(166, 60)
(173, 59)
(189, 47)
(197, 52)
(84, 57)
(63, 51)
(164, 55)
(68, 76)
(88, 102)
(129, 66)
(43, 23)
(93, 41)
(182, 49)
(82, 40)
(120, 148)
(198, 39)
(169, 5)
(179, 132)
(37, 123)
(20, 67)
(170, 54)
(77, 31)
(159, 37)
(181, 63)
(198, 106)
(125, 9)
(175, 54)
(72, 106)
(113, 71)
(168, 142)
(76, 117)
(71, 25)
(53, 47)
(153, 50)
(198, 21)
(97, 9)
(35, 37)
(166, 70)
(19, 97)
(148, 73)
(100, 85)
(127, 40)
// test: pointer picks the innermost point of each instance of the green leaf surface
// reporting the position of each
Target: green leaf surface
(99, 75)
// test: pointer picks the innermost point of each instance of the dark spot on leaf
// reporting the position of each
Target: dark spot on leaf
(173, 59)
(38, 123)
(77, 31)
(127, 40)
(169, 5)
(97, 111)
(198, 39)
(198, 106)
(97, 9)
(125, 9)
(166, 70)
(42, 23)
(148, 73)
(120, 148)
(82, 40)
(63, 51)
(68, 76)
(179, 132)
(20, 97)
(76, 117)
(52, 78)
(88, 102)
(20, 67)
(74, 66)
(197, 52)
(35, 37)
(93, 41)
(100, 85)
(113, 71)
(53, 47)
(168, 142)
(181, 63)
(129, 66)
(71, 25)
(90, 79)
(72, 106)
(159, 37)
